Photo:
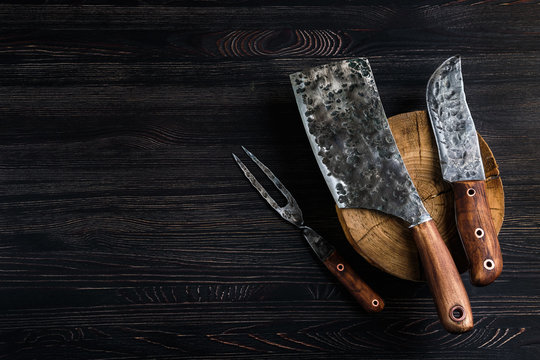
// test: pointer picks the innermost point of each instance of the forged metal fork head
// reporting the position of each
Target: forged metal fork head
(290, 211)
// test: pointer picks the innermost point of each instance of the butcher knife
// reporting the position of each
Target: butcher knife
(461, 165)
(358, 157)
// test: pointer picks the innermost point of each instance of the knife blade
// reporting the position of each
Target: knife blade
(349, 134)
(461, 165)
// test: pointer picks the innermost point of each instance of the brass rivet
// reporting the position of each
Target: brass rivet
(457, 313)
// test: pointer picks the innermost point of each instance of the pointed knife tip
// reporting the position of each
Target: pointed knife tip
(453, 59)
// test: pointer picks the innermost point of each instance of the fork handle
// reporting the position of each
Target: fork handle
(366, 297)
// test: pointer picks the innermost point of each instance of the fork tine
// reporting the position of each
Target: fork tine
(272, 177)
(256, 184)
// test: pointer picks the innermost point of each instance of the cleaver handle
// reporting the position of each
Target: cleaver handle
(477, 232)
(364, 295)
(443, 279)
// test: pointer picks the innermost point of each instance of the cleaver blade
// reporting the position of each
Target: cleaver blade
(358, 157)
(461, 165)
(348, 131)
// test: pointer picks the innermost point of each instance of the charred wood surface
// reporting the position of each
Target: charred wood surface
(127, 230)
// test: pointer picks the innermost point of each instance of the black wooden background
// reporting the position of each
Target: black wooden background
(127, 230)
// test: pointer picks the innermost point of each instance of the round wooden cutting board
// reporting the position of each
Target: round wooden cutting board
(385, 241)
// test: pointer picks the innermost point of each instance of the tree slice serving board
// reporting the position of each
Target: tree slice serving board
(385, 241)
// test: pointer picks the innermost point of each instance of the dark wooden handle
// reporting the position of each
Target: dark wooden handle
(477, 232)
(443, 279)
(361, 291)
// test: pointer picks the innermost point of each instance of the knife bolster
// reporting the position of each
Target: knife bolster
(477, 232)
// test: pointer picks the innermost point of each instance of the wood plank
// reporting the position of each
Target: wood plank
(127, 231)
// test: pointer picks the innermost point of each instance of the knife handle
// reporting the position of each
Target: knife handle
(443, 279)
(477, 232)
(366, 297)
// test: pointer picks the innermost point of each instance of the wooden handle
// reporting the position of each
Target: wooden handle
(477, 232)
(443, 279)
(369, 299)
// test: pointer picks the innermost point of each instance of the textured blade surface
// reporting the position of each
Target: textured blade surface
(452, 123)
(352, 142)
(320, 246)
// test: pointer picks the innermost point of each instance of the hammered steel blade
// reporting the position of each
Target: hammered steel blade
(453, 125)
(349, 134)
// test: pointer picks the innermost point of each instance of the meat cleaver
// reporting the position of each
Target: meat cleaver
(461, 165)
(358, 157)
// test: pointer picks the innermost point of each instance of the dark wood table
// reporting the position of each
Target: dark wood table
(127, 231)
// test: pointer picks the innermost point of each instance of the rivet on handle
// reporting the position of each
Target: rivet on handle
(489, 264)
(471, 192)
(340, 267)
(479, 232)
(457, 313)
(375, 302)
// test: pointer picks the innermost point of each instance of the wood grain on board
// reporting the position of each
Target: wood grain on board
(386, 241)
